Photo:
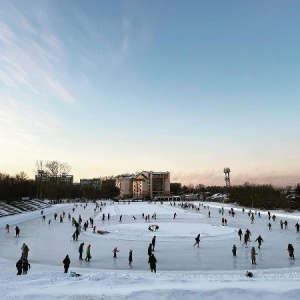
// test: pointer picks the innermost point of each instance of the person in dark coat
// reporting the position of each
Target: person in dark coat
(297, 226)
(17, 231)
(152, 261)
(153, 243)
(66, 263)
(130, 258)
(240, 233)
(197, 239)
(234, 250)
(19, 266)
(80, 250)
(291, 251)
(259, 240)
(149, 251)
(26, 266)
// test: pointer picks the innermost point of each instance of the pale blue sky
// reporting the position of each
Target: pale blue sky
(188, 87)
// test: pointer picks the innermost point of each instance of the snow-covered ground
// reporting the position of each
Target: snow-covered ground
(183, 271)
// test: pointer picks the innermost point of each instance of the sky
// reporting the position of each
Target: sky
(207, 272)
(189, 87)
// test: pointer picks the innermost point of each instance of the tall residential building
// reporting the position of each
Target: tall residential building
(125, 184)
(146, 184)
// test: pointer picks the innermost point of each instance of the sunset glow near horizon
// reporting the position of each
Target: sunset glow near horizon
(189, 87)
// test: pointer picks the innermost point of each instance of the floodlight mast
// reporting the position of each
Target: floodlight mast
(227, 177)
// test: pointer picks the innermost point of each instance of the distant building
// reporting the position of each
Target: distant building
(146, 184)
(125, 184)
(95, 182)
(42, 177)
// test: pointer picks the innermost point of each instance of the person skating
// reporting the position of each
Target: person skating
(80, 250)
(234, 250)
(7, 228)
(153, 243)
(240, 233)
(197, 239)
(26, 266)
(66, 263)
(88, 253)
(297, 227)
(115, 250)
(17, 229)
(25, 251)
(291, 251)
(19, 266)
(152, 261)
(259, 240)
(130, 258)
(253, 256)
(246, 239)
(149, 251)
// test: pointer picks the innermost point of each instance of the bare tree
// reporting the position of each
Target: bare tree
(53, 168)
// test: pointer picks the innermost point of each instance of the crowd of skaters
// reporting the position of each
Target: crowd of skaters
(24, 265)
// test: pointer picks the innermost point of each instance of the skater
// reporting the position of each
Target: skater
(66, 263)
(291, 251)
(240, 233)
(26, 266)
(88, 253)
(209, 213)
(253, 256)
(281, 224)
(25, 251)
(246, 238)
(297, 226)
(17, 231)
(259, 240)
(49, 221)
(153, 243)
(120, 219)
(197, 239)
(115, 250)
(55, 216)
(234, 250)
(130, 258)
(149, 251)
(153, 261)
(80, 250)
(174, 216)
(285, 224)
(270, 226)
(19, 266)
(7, 228)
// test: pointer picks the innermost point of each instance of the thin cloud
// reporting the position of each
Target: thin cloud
(32, 58)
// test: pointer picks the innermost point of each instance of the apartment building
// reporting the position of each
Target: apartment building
(145, 184)
(125, 183)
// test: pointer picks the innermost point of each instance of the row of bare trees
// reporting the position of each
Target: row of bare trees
(248, 195)
(49, 184)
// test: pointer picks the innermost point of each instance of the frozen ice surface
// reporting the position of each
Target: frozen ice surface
(178, 260)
